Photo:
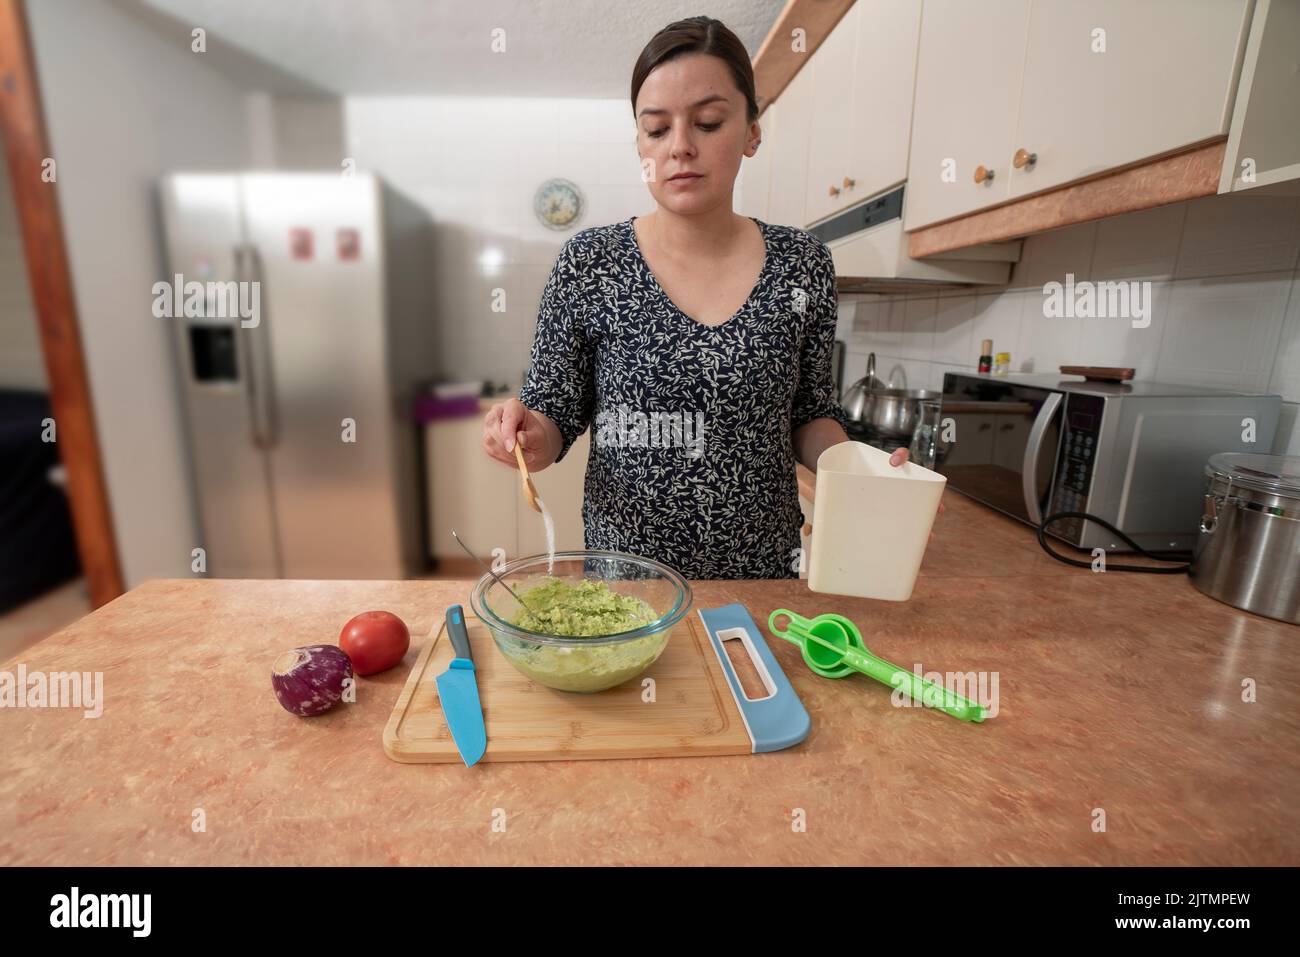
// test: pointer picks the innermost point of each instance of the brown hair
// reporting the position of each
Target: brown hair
(698, 35)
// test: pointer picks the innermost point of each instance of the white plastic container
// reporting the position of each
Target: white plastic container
(871, 523)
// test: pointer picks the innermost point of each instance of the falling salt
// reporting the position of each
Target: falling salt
(550, 536)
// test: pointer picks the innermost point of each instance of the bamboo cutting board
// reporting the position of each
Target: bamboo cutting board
(693, 712)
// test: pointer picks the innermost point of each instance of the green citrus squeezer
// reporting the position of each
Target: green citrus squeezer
(832, 646)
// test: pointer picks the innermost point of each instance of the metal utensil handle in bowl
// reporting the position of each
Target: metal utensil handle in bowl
(489, 570)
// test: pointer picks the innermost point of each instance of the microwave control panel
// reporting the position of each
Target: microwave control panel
(1080, 436)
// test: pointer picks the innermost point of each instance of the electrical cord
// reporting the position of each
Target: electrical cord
(1057, 516)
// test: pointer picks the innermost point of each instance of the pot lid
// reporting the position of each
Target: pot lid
(1277, 474)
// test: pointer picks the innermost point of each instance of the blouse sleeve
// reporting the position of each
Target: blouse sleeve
(815, 395)
(560, 382)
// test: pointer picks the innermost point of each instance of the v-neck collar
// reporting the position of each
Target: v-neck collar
(768, 262)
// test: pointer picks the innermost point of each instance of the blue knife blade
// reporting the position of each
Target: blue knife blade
(458, 691)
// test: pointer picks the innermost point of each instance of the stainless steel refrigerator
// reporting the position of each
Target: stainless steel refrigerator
(297, 396)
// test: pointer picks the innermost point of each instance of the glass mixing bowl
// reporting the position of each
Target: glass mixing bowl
(584, 665)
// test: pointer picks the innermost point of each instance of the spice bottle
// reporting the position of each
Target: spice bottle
(986, 355)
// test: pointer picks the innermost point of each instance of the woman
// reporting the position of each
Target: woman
(694, 342)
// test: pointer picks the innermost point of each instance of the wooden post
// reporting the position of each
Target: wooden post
(26, 149)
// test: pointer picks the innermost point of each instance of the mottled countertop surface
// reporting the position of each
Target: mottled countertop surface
(1117, 693)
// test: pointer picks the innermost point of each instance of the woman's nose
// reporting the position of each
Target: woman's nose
(681, 144)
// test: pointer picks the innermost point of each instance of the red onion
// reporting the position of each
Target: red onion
(310, 680)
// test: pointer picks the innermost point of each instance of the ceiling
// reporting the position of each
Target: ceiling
(553, 48)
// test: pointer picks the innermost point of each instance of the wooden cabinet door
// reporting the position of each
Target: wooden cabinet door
(832, 117)
(1111, 82)
(790, 152)
(968, 74)
(884, 81)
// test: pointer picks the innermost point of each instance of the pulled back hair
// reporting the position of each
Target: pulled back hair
(698, 35)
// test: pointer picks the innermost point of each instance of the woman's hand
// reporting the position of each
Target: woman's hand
(897, 458)
(511, 421)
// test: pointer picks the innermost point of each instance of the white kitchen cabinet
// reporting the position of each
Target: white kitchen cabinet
(884, 83)
(862, 86)
(832, 111)
(790, 152)
(969, 67)
(1163, 80)
(482, 499)
(1264, 136)
(1041, 93)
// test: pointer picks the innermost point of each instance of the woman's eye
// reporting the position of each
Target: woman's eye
(707, 127)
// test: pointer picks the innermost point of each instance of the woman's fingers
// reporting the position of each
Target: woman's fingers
(513, 414)
(898, 457)
(492, 443)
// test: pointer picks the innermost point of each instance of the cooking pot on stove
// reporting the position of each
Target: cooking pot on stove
(888, 413)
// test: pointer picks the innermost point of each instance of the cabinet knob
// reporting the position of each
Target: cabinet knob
(848, 183)
(1024, 159)
(983, 174)
(834, 191)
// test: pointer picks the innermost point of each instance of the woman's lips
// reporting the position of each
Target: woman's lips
(686, 180)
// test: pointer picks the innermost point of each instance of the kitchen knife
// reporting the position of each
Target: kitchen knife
(458, 691)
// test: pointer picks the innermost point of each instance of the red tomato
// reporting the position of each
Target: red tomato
(375, 641)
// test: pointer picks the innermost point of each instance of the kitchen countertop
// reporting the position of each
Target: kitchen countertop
(1116, 691)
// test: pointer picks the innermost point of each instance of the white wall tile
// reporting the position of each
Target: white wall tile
(954, 322)
(1285, 379)
(1287, 438)
(1224, 332)
(1140, 245)
(1238, 233)
(1047, 257)
(899, 372)
(998, 317)
(916, 335)
(878, 326)
(1117, 342)
(845, 314)
(855, 366)
(580, 121)
(619, 165)
(1046, 343)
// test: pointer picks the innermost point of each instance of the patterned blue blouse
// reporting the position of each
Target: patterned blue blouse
(691, 462)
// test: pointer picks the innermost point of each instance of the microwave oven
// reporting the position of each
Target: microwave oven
(1131, 453)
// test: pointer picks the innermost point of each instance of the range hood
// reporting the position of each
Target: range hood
(869, 247)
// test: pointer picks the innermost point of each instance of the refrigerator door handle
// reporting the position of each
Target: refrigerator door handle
(248, 264)
(1029, 468)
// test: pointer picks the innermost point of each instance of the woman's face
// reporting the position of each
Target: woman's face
(691, 118)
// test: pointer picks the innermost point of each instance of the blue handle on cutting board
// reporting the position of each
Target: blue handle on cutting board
(776, 721)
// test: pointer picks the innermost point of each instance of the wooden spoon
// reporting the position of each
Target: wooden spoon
(530, 493)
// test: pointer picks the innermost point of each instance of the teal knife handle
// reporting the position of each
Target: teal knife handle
(459, 634)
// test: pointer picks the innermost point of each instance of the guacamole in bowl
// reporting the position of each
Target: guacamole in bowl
(601, 619)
